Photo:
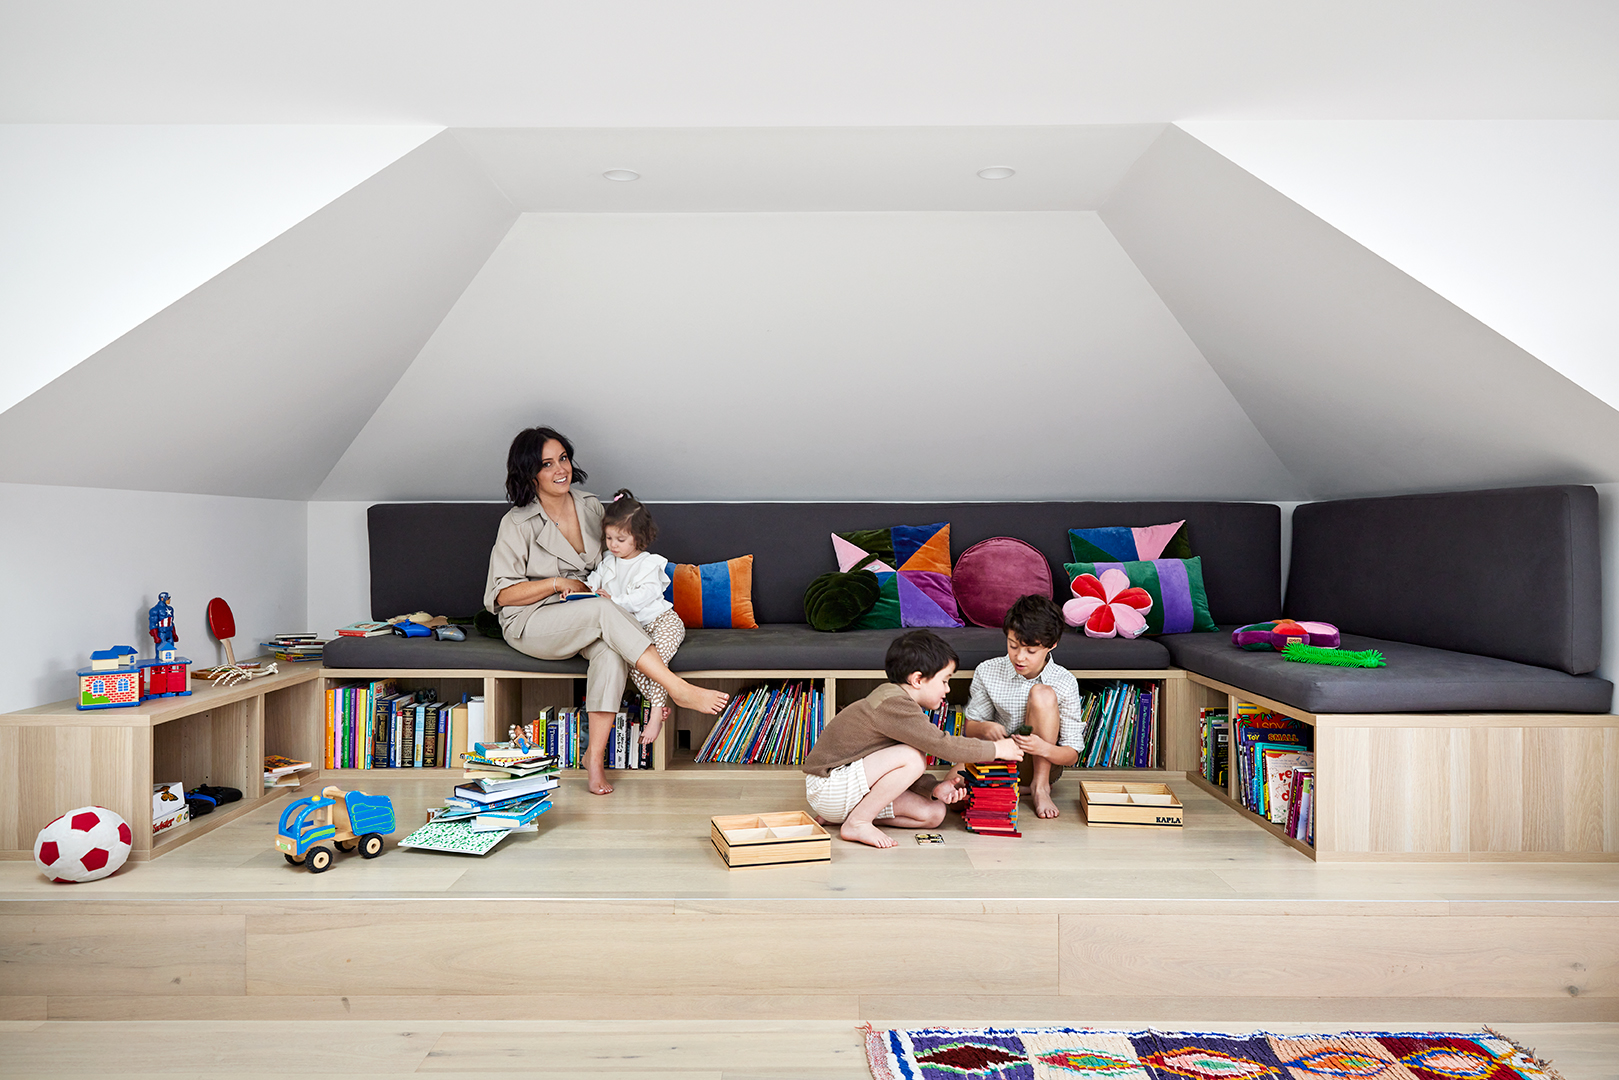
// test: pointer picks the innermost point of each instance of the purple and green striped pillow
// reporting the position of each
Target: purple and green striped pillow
(1179, 602)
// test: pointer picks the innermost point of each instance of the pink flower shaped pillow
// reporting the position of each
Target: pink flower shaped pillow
(1108, 606)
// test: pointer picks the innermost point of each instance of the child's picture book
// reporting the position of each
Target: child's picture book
(455, 837)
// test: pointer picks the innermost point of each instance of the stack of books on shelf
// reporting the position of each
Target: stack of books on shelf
(375, 725)
(565, 735)
(1214, 754)
(950, 719)
(768, 725)
(365, 629)
(1121, 726)
(991, 798)
(1269, 750)
(283, 771)
(507, 786)
(295, 648)
(1301, 805)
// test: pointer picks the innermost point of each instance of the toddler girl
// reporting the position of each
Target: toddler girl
(635, 579)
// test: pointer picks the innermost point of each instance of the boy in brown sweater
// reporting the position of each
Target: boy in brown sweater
(870, 762)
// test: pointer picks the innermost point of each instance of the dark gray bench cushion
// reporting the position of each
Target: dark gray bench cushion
(1513, 574)
(435, 556)
(769, 648)
(1417, 679)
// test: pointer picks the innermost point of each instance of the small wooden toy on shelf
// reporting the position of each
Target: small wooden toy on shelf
(341, 818)
(222, 623)
(112, 681)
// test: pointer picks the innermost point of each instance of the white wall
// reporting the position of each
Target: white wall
(816, 356)
(104, 226)
(339, 566)
(79, 567)
(1514, 221)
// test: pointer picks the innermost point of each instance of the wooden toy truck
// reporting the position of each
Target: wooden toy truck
(344, 820)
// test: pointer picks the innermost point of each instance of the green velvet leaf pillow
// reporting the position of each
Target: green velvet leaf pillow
(1180, 604)
(838, 600)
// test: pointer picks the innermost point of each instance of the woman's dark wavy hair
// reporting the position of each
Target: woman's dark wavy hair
(523, 463)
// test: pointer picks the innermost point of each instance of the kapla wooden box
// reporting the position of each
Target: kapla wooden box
(765, 839)
(1130, 804)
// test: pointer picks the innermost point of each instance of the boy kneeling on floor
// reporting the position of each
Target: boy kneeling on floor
(869, 764)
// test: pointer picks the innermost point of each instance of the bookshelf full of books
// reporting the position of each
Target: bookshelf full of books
(1121, 724)
(564, 734)
(773, 723)
(1263, 762)
(379, 725)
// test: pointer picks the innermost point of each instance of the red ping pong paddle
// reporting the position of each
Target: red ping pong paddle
(223, 626)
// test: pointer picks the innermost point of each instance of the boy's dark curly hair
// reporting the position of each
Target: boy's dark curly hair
(1036, 620)
(920, 651)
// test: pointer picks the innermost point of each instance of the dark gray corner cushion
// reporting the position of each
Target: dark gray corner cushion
(1417, 679)
(769, 648)
(1513, 574)
(435, 556)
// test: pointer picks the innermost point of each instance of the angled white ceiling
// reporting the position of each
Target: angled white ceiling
(104, 226)
(256, 382)
(1514, 221)
(1363, 379)
(816, 356)
(731, 63)
(772, 169)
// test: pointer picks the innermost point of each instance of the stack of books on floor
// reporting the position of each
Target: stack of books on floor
(283, 771)
(950, 719)
(296, 648)
(1270, 749)
(991, 798)
(508, 786)
(1121, 726)
(769, 725)
(1214, 755)
(565, 735)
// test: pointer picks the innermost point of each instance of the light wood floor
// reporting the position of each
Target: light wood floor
(614, 942)
(736, 1050)
(650, 839)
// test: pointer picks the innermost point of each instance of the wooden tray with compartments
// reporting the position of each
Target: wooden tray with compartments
(767, 839)
(1130, 804)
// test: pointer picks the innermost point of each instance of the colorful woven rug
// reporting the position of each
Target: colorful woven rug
(1072, 1054)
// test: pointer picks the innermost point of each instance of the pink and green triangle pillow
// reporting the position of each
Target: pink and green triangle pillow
(913, 570)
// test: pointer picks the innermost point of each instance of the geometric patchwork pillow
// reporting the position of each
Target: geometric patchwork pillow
(1119, 544)
(913, 570)
(1180, 604)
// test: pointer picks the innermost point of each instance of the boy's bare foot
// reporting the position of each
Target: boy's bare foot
(1043, 806)
(599, 784)
(950, 790)
(698, 699)
(654, 724)
(865, 833)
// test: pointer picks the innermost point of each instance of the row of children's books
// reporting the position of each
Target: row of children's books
(1214, 753)
(564, 734)
(1275, 764)
(950, 719)
(374, 725)
(772, 724)
(1121, 726)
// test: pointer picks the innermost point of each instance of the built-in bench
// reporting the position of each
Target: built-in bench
(1485, 736)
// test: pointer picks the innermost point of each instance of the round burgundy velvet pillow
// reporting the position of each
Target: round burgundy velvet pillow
(990, 576)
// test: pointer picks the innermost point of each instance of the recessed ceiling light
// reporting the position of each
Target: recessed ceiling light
(996, 172)
(623, 176)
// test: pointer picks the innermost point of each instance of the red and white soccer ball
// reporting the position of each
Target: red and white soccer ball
(83, 845)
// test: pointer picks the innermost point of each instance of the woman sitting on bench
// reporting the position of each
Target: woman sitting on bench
(548, 542)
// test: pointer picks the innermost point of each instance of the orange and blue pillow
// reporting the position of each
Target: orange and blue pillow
(1180, 604)
(913, 571)
(1123, 544)
(713, 596)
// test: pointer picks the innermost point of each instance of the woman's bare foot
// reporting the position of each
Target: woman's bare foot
(654, 724)
(698, 698)
(1043, 806)
(865, 833)
(599, 784)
